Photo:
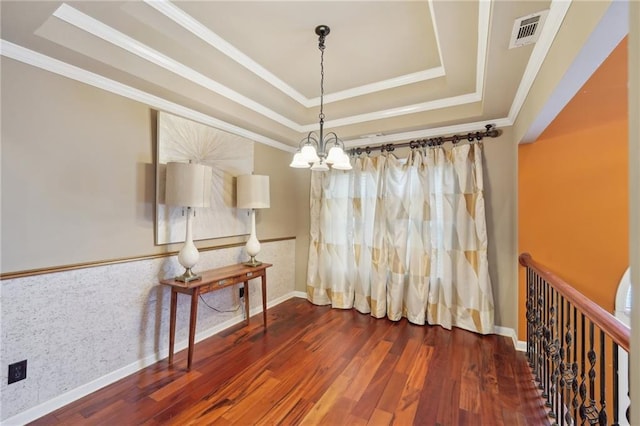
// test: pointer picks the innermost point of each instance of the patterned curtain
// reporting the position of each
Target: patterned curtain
(404, 238)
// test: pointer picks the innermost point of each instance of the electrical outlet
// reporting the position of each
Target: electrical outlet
(17, 371)
(241, 291)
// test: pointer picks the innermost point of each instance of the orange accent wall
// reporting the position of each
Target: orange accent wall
(573, 189)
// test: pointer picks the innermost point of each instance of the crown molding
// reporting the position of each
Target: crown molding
(435, 30)
(94, 27)
(403, 110)
(55, 66)
(30, 57)
(484, 19)
(196, 28)
(379, 86)
(554, 19)
(189, 23)
(556, 15)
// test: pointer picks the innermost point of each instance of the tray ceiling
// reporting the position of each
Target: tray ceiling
(392, 69)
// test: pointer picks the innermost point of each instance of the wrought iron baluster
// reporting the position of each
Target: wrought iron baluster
(540, 333)
(553, 355)
(583, 382)
(529, 309)
(628, 412)
(562, 365)
(543, 330)
(591, 357)
(602, 418)
(547, 337)
(565, 370)
(616, 406)
(588, 410)
(574, 367)
(530, 316)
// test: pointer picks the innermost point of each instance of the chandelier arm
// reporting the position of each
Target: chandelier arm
(309, 139)
(335, 139)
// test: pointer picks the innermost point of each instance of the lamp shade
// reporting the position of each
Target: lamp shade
(253, 192)
(188, 185)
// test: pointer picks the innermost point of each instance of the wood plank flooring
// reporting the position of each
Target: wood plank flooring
(321, 366)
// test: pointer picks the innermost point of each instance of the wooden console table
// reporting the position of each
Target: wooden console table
(212, 280)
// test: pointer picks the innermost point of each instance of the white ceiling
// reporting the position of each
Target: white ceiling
(394, 70)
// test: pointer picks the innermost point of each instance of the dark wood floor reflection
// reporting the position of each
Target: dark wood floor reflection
(316, 365)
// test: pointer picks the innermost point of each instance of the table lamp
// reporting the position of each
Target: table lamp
(253, 193)
(188, 185)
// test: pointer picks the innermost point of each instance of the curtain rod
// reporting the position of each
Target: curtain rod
(489, 132)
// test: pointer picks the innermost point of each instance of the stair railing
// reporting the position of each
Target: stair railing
(573, 348)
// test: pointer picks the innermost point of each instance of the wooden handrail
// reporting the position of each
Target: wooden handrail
(618, 332)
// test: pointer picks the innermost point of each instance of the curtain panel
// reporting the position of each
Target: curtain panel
(404, 238)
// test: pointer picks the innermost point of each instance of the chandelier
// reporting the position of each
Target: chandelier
(321, 151)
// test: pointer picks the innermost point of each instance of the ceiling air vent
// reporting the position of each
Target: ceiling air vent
(526, 29)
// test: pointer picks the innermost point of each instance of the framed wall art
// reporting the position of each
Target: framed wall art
(229, 155)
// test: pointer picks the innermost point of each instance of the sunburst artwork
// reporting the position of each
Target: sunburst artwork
(228, 155)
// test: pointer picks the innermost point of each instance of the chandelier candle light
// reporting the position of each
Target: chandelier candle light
(321, 151)
(253, 193)
(188, 185)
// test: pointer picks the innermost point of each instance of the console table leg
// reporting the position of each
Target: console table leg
(264, 299)
(172, 324)
(246, 300)
(192, 325)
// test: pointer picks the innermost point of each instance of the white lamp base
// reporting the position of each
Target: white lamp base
(188, 255)
(188, 276)
(253, 245)
(252, 262)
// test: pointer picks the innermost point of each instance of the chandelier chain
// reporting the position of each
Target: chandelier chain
(321, 47)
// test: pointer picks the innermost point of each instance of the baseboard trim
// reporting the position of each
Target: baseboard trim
(519, 345)
(300, 294)
(59, 401)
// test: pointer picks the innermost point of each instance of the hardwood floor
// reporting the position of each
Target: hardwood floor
(317, 365)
